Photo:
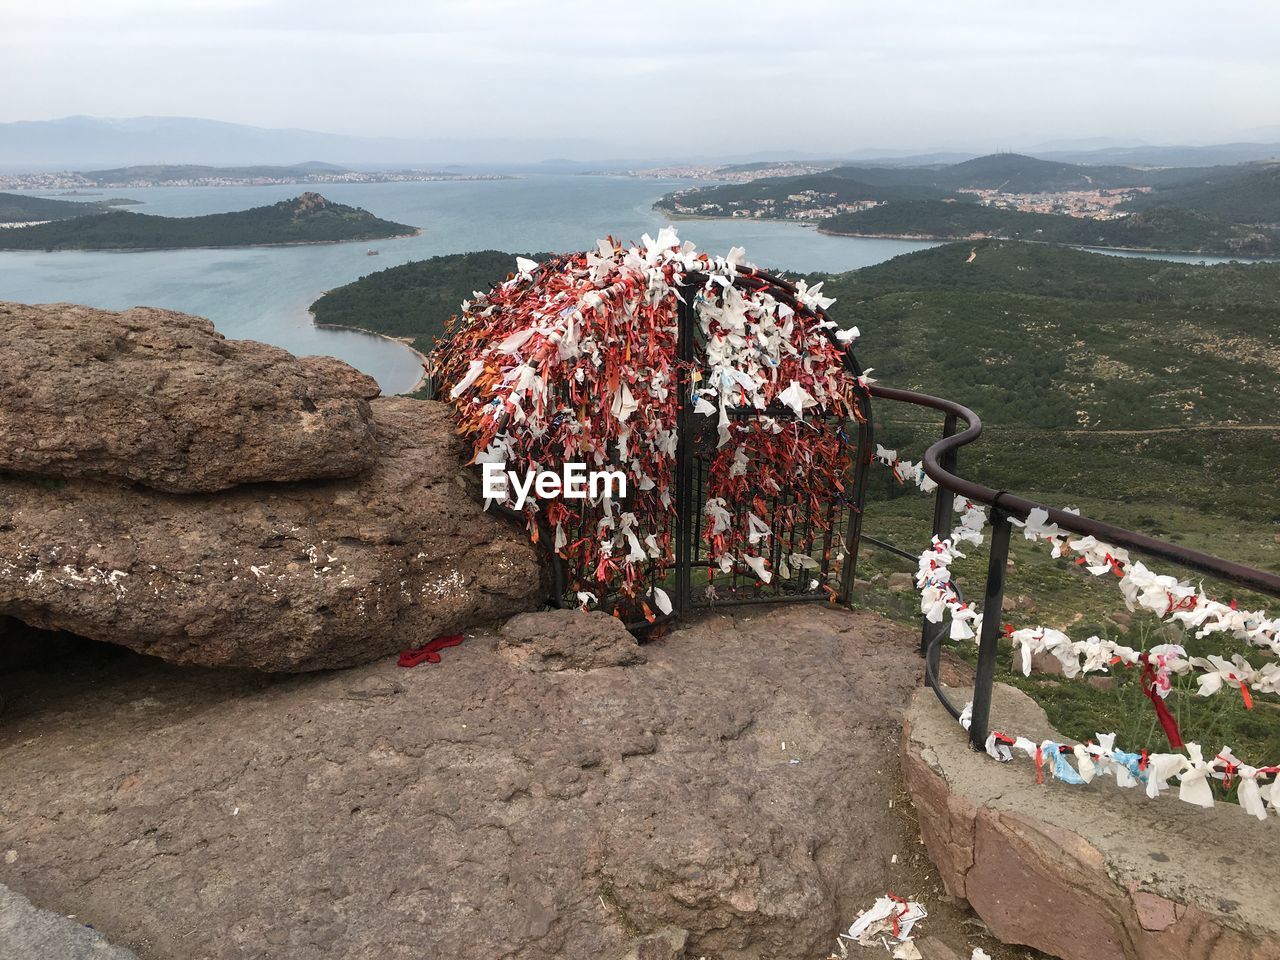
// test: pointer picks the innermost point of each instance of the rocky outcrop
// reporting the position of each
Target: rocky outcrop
(221, 502)
(1087, 873)
(732, 796)
(272, 576)
(160, 398)
(568, 640)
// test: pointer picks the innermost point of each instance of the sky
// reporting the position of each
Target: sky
(660, 77)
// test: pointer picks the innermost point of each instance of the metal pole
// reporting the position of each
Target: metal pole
(684, 453)
(943, 517)
(853, 532)
(989, 638)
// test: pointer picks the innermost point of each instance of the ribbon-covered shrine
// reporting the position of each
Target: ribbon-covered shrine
(727, 397)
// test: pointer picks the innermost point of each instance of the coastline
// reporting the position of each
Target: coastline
(406, 342)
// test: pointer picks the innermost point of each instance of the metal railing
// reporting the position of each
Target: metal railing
(939, 466)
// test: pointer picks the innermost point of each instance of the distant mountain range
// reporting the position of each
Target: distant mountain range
(88, 142)
(81, 143)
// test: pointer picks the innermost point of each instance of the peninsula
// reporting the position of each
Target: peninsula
(1226, 210)
(19, 210)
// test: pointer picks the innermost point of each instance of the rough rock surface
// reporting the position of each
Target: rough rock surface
(736, 785)
(568, 640)
(160, 398)
(272, 576)
(1087, 873)
(30, 934)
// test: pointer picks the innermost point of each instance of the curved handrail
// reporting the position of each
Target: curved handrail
(1006, 506)
(1019, 507)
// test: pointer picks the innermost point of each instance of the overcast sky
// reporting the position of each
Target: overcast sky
(692, 76)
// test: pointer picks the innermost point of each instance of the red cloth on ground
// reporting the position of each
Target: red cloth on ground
(429, 653)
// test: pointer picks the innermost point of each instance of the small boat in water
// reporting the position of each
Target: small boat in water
(371, 253)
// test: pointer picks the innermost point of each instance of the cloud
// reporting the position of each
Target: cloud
(659, 76)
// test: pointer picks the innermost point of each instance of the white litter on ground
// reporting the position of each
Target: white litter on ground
(888, 922)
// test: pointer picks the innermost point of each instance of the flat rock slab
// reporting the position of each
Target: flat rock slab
(1087, 872)
(160, 398)
(279, 577)
(730, 793)
(27, 933)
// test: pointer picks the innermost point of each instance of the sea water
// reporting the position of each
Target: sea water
(262, 293)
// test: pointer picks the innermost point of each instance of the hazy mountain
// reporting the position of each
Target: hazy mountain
(1171, 156)
(1085, 144)
(87, 142)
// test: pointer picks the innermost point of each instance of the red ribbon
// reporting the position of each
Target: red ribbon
(895, 917)
(429, 653)
(1169, 724)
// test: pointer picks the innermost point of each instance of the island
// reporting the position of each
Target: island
(308, 218)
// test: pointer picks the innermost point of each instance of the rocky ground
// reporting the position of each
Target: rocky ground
(548, 791)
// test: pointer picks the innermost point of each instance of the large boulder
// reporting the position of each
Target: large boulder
(161, 398)
(1086, 872)
(285, 577)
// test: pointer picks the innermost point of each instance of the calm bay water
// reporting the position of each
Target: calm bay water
(263, 293)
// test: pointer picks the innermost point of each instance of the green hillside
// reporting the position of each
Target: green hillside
(1163, 228)
(1054, 338)
(1063, 273)
(21, 208)
(1248, 194)
(309, 218)
(417, 298)
(1016, 173)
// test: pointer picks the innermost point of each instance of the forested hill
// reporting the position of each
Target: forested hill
(309, 218)
(1052, 337)
(1239, 194)
(995, 266)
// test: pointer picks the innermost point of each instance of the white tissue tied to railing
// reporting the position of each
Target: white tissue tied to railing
(1168, 598)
